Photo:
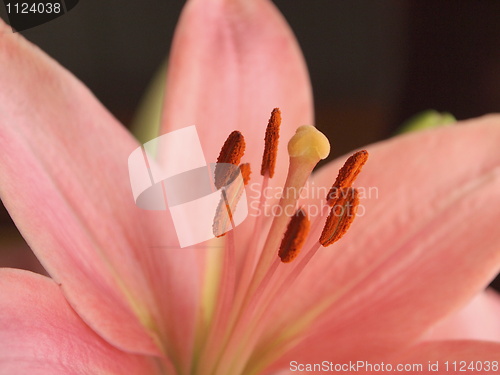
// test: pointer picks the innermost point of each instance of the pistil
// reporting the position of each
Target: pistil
(306, 148)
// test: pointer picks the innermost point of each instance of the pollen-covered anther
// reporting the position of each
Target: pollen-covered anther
(347, 175)
(271, 144)
(231, 153)
(295, 236)
(341, 216)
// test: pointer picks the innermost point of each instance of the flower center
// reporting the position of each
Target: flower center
(267, 269)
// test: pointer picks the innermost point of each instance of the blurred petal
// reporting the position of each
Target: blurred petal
(41, 334)
(146, 123)
(64, 179)
(232, 62)
(478, 320)
(426, 244)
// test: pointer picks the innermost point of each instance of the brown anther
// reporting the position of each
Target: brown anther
(245, 172)
(231, 153)
(341, 216)
(271, 144)
(295, 236)
(347, 175)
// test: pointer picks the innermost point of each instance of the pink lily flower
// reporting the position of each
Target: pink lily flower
(405, 285)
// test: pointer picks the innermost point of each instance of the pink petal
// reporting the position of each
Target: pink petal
(478, 320)
(425, 246)
(64, 180)
(41, 334)
(231, 63)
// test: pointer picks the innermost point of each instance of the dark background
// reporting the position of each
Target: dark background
(373, 63)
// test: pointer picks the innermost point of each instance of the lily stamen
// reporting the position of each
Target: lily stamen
(231, 153)
(267, 171)
(271, 144)
(306, 148)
